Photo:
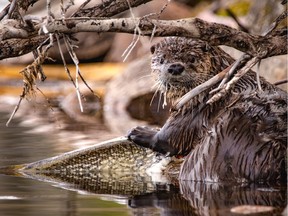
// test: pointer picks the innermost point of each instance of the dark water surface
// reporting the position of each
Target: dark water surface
(24, 196)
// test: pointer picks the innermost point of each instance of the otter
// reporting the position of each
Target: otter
(240, 138)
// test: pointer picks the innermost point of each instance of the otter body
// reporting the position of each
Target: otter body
(240, 138)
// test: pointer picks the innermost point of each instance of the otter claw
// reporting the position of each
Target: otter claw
(142, 136)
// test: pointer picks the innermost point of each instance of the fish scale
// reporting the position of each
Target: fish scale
(116, 156)
(116, 166)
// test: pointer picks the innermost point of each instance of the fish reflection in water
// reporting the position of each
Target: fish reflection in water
(74, 171)
(177, 198)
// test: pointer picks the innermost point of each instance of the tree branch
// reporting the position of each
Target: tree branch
(20, 46)
(8, 46)
(214, 33)
(108, 8)
(25, 4)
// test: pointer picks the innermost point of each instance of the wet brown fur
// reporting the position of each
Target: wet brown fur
(242, 137)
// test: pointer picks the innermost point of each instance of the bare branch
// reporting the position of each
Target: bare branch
(223, 87)
(108, 8)
(48, 8)
(9, 48)
(281, 82)
(258, 76)
(202, 87)
(214, 33)
(4, 12)
(16, 108)
(77, 71)
(17, 47)
(234, 17)
(12, 7)
(230, 73)
(63, 60)
(232, 82)
(81, 7)
(276, 22)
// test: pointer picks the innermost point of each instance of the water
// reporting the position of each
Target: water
(20, 143)
(23, 196)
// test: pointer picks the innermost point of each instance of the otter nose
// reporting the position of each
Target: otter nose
(175, 69)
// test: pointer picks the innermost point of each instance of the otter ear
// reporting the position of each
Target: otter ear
(152, 49)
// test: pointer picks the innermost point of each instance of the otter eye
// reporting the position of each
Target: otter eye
(152, 49)
(191, 59)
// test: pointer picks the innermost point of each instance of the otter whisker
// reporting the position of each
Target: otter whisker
(165, 100)
(159, 101)
(156, 92)
(165, 96)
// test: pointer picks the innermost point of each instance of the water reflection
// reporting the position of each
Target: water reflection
(179, 198)
(89, 195)
(20, 144)
(209, 199)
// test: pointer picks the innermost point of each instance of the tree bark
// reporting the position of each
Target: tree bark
(12, 30)
(214, 33)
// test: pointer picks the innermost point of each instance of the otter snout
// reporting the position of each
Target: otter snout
(176, 69)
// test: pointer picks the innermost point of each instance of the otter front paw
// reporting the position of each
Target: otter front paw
(142, 136)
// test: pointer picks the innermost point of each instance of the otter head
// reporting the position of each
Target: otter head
(180, 64)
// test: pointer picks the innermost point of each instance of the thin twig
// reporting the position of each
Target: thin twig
(63, 60)
(46, 98)
(4, 12)
(30, 74)
(158, 14)
(62, 9)
(258, 76)
(276, 23)
(231, 72)
(12, 8)
(281, 82)
(200, 88)
(137, 32)
(42, 76)
(232, 82)
(129, 49)
(86, 84)
(68, 5)
(76, 62)
(49, 11)
(74, 57)
(234, 17)
(81, 7)
(16, 107)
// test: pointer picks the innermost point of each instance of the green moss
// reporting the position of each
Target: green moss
(239, 8)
